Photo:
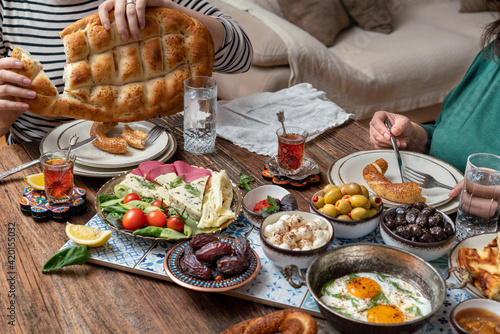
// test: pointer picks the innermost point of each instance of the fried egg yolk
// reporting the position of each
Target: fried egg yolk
(385, 314)
(363, 287)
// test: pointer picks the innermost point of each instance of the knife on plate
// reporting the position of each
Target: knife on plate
(395, 146)
(34, 162)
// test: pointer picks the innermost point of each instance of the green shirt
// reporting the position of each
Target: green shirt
(470, 119)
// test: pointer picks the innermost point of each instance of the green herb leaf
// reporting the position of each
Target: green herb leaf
(66, 257)
(145, 183)
(151, 231)
(270, 209)
(177, 182)
(244, 182)
(192, 190)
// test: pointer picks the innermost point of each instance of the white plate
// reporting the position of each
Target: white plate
(476, 241)
(350, 169)
(91, 156)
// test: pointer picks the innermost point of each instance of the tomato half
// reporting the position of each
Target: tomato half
(131, 197)
(156, 218)
(175, 223)
(134, 219)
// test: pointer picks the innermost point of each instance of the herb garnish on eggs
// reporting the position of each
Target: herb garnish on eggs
(375, 297)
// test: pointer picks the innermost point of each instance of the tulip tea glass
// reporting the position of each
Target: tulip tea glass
(290, 149)
(479, 207)
(200, 107)
(58, 175)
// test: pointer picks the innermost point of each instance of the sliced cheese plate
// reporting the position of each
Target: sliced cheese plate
(177, 197)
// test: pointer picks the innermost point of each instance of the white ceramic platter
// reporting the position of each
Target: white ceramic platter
(350, 169)
(91, 156)
(476, 241)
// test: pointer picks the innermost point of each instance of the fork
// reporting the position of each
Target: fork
(156, 131)
(423, 179)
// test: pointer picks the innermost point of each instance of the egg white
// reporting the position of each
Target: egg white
(397, 292)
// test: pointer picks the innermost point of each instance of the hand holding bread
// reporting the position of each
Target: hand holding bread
(110, 80)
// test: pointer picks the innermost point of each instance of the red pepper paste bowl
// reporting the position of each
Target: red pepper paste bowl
(259, 194)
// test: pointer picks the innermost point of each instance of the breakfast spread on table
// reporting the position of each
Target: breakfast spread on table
(407, 192)
(110, 80)
(484, 265)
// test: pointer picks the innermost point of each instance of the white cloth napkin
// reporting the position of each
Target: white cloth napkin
(251, 122)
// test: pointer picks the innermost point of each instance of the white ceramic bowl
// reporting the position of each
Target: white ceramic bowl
(428, 251)
(283, 257)
(351, 229)
(256, 195)
(475, 303)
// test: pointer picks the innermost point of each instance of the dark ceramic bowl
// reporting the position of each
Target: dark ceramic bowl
(256, 195)
(351, 229)
(428, 251)
(284, 257)
(474, 303)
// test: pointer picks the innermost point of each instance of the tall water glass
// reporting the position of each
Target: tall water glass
(479, 207)
(200, 108)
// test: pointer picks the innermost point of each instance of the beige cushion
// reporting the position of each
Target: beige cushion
(372, 15)
(469, 6)
(268, 47)
(323, 19)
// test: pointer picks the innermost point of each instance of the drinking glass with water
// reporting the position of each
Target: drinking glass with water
(479, 207)
(200, 108)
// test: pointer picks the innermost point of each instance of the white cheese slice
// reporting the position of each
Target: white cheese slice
(146, 188)
(189, 197)
(168, 180)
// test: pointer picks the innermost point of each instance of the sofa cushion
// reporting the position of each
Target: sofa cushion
(270, 5)
(372, 15)
(323, 19)
(470, 6)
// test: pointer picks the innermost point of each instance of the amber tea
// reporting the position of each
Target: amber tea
(291, 149)
(58, 176)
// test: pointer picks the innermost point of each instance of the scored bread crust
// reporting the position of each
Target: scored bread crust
(408, 192)
(110, 80)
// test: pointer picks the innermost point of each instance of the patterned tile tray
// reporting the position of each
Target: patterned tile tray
(145, 257)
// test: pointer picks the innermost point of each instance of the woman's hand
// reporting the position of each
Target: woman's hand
(10, 83)
(408, 135)
(457, 189)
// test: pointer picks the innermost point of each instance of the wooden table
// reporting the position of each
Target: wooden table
(96, 299)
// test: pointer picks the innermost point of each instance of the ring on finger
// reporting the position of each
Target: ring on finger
(130, 2)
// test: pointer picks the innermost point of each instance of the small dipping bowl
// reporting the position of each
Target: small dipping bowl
(284, 257)
(476, 307)
(256, 195)
(349, 229)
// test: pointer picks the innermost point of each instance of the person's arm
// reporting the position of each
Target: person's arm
(409, 135)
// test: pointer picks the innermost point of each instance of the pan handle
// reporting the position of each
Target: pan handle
(464, 275)
(288, 274)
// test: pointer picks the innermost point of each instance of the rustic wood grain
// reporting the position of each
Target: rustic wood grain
(96, 299)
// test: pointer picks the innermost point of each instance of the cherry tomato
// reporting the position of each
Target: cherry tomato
(156, 218)
(134, 219)
(131, 197)
(175, 223)
(160, 204)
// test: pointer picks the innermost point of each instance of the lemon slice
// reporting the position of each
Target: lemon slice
(36, 181)
(88, 236)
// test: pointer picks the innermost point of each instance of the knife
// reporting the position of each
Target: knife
(395, 146)
(34, 162)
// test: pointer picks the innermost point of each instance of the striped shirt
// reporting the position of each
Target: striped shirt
(35, 26)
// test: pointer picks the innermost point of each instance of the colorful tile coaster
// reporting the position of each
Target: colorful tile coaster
(145, 257)
(35, 203)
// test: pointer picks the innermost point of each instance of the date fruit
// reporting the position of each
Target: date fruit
(213, 251)
(194, 267)
(201, 240)
(241, 247)
(231, 265)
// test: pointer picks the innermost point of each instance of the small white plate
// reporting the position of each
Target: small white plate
(476, 241)
(350, 169)
(91, 156)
